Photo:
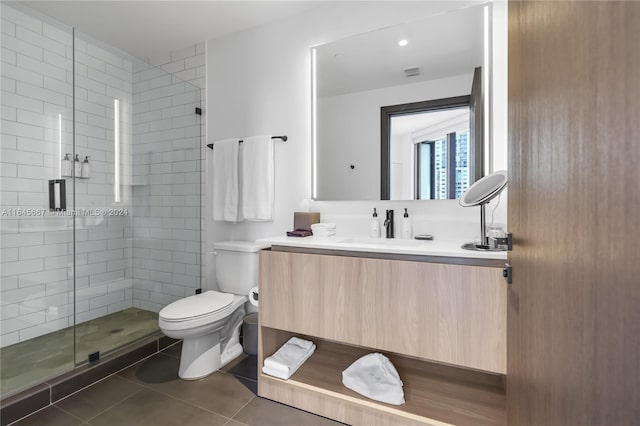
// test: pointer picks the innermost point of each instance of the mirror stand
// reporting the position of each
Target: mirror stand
(479, 194)
(483, 245)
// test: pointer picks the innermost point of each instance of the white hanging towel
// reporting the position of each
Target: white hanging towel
(375, 377)
(289, 358)
(257, 178)
(225, 171)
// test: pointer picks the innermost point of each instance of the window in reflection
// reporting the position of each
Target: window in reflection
(429, 154)
(436, 178)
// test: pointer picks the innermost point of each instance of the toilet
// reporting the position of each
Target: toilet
(209, 323)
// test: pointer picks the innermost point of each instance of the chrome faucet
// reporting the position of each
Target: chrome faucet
(388, 223)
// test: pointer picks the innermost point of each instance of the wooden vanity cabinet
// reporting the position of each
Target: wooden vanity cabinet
(429, 318)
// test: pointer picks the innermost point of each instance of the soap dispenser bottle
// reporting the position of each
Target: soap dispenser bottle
(65, 170)
(77, 167)
(374, 229)
(86, 168)
(406, 226)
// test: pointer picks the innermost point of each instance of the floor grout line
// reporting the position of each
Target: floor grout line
(241, 376)
(235, 422)
(113, 405)
(82, 389)
(241, 408)
(71, 414)
(190, 403)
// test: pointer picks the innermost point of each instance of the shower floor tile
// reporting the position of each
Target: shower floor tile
(35, 360)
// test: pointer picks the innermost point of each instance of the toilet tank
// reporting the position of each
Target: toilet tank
(237, 265)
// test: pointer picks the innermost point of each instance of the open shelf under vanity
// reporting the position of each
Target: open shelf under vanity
(434, 393)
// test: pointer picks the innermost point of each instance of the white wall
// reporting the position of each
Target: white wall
(402, 157)
(349, 133)
(258, 82)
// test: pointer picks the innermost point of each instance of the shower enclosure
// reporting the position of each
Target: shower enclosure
(100, 208)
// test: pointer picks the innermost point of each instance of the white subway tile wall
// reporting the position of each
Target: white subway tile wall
(189, 65)
(103, 265)
(146, 251)
(36, 96)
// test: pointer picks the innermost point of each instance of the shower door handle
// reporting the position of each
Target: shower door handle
(57, 195)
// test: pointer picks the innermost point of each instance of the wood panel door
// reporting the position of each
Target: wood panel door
(574, 210)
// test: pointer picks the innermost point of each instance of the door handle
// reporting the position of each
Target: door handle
(507, 273)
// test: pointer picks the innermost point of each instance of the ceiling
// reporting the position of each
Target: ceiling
(441, 45)
(412, 124)
(149, 28)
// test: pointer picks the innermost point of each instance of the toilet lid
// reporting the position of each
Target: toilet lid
(196, 306)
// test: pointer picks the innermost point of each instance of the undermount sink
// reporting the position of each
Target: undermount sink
(382, 241)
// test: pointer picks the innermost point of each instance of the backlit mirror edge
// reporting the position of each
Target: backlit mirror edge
(314, 123)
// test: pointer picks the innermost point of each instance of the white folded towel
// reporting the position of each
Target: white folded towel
(289, 358)
(304, 344)
(318, 233)
(375, 377)
(257, 178)
(323, 226)
(225, 186)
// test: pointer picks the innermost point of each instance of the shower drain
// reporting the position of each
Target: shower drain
(116, 330)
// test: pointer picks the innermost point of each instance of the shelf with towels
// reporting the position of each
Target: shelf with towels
(284, 139)
(469, 397)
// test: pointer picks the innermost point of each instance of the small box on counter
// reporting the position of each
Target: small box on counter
(304, 220)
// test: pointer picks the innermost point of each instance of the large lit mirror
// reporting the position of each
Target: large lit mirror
(398, 112)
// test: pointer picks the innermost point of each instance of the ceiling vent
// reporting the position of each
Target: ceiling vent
(411, 72)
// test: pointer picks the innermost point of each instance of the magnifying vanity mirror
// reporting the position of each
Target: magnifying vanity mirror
(479, 194)
(401, 113)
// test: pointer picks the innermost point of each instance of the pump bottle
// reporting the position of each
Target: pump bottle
(406, 226)
(86, 168)
(77, 167)
(374, 228)
(66, 170)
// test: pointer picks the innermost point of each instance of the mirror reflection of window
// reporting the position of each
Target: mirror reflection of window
(430, 154)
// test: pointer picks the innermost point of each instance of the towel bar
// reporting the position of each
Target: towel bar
(284, 139)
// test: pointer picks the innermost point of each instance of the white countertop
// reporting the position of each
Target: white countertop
(382, 245)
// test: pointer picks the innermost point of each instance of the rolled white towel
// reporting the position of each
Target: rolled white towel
(289, 358)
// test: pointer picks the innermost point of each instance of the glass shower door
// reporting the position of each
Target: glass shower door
(103, 99)
(36, 266)
(86, 266)
(138, 221)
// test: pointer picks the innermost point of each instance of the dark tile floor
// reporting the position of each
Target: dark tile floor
(150, 393)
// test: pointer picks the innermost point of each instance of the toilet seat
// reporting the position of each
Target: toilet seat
(196, 307)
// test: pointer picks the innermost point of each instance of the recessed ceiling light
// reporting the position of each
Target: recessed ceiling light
(403, 42)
